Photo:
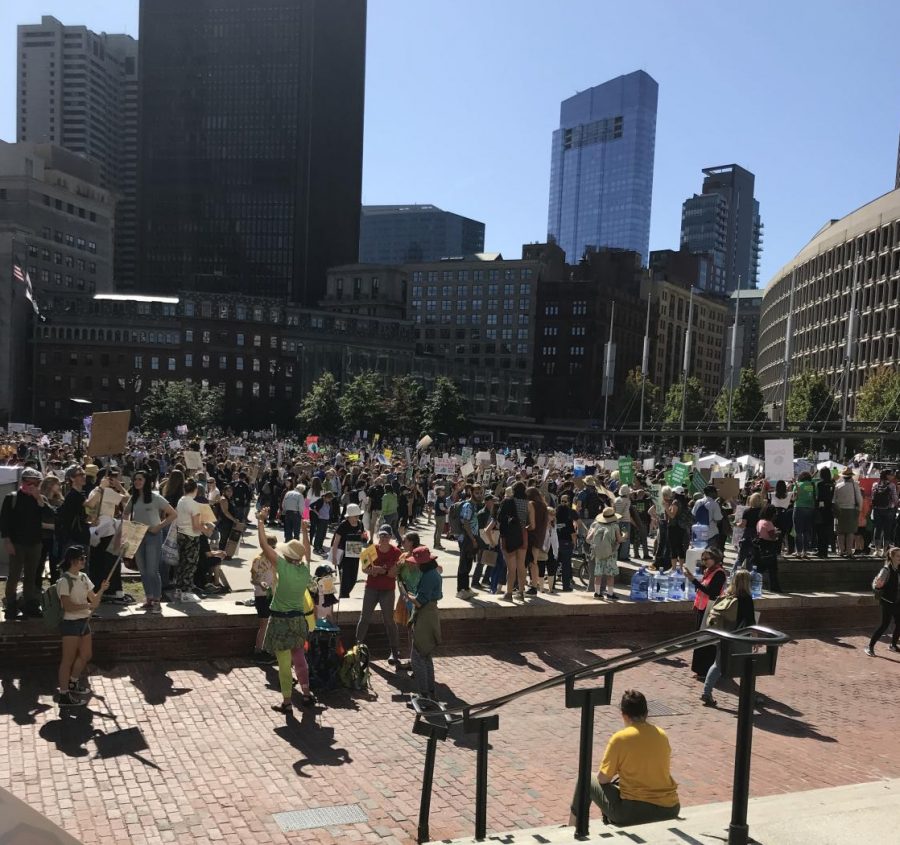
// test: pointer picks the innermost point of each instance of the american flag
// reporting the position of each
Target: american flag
(22, 276)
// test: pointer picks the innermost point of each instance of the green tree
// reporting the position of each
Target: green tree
(811, 399)
(362, 404)
(445, 410)
(879, 398)
(747, 404)
(320, 412)
(695, 404)
(172, 403)
(631, 398)
(404, 407)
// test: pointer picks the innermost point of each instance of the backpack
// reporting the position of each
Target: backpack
(453, 518)
(51, 604)
(323, 656)
(602, 540)
(684, 519)
(881, 495)
(724, 614)
(354, 672)
(702, 515)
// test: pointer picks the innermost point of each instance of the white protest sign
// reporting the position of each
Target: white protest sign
(467, 469)
(444, 466)
(175, 444)
(192, 460)
(67, 438)
(483, 458)
(649, 463)
(779, 460)
(824, 456)
(610, 465)
(237, 451)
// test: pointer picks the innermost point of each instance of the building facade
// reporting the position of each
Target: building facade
(78, 90)
(723, 222)
(672, 303)
(251, 144)
(407, 234)
(378, 290)
(848, 274)
(601, 167)
(574, 313)
(746, 306)
(263, 353)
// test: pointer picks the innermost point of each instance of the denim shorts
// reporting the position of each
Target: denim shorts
(262, 606)
(75, 627)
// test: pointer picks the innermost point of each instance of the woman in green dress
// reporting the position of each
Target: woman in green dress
(289, 611)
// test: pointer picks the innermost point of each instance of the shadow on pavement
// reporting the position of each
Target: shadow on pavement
(19, 696)
(154, 683)
(315, 741)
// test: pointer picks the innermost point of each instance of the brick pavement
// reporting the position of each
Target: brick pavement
(219, 763)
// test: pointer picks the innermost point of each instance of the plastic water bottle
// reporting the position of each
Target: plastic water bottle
(756, 584)
(699, 536)
(691, 589)
(663, 584)
(677, 584)
(651, 589)
(640, 585)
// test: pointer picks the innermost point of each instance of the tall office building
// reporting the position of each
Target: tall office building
(723, 221)
(78, 90)
(250, 169)
(601, 167)
(403, 234)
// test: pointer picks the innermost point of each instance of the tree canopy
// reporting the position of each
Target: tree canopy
(811, 399)
(172, 403)
(695, 404)
(319, 413)
(747, 404)
(631, 398)
(445, 410)
(879, 398)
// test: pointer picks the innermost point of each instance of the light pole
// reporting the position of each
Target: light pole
(731, 386)
(686, 367)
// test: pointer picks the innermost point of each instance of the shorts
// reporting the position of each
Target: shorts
(75, 627)
(261, 603)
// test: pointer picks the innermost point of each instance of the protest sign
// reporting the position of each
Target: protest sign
(649, 463)
(824, 456)
(610, 465)
(467, 469)
(67, 438)
(175, 444)
(626, 470)
(444, 466)
(110, 501)
(679, 474)
(389, 453)
(109, 432)
(483, 458)
(16, 428)
(424, 443)
(207, 515)
(727, 488)
(237, 451)
(779, 459)
(132, 536)
(578, 467)
(181, 430)
(192, 460)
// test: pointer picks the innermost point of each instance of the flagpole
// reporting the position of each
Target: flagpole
(731, 384)
(686, 367)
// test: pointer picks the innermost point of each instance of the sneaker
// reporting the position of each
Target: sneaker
(156, 609)
(147, 605)
(507, 597)
(709, 701)
(392, 660)
(598, 596)
(869, 651)
(190, 597)
(80, 687)
(67, 699)
(532, 591)
(612, 596)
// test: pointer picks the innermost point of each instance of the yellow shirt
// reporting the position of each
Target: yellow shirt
(640, 755)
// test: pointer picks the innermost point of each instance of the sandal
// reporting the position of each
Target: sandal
(308, 700)
(285, 707)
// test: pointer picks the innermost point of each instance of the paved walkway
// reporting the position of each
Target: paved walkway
(192, 752)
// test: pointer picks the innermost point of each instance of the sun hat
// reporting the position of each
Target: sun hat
(678, 491)
(292, 550)
(847, 472)
(353, 510)
(420, 555)
(608, 515)
(624, 490)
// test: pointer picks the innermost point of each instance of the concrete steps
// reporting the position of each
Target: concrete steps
(846, 815)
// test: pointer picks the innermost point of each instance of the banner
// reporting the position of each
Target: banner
(626, 471)
(109, 432)
(779, 460)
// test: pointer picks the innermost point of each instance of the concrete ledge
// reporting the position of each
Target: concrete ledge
(201, 632)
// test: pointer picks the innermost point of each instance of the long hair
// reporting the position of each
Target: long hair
(46, 484)
(740, 584)
(146, 493)
(174, 485)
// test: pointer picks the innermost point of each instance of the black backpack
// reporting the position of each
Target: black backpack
(881, 495)
(323, 657)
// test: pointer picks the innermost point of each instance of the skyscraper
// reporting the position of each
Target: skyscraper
(251, 144)
(78, 90)
(402, 234)
(601, 167)
(724, 222)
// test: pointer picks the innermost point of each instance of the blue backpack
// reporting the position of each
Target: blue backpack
(701, 517)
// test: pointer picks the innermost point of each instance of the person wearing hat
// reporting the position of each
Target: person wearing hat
(346, 546)
(381, 584)
(21, 527)
(604, 538)
(846, 502)
(288, 626)
(425, 621)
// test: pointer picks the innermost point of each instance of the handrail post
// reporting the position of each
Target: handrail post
(738, 830)
(587, 700)
(481, 726)
(434, 732)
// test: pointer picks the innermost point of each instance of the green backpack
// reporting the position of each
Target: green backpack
(354, 672)
(51, 604)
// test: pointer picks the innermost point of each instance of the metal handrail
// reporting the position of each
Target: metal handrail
(435, 724)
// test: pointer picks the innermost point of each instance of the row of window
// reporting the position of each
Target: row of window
(464, 319)
(574, 351)
(58, 258)
(464, 291)
(579, 308)
(87, 383)
(508, 274)
(575, 331)
(70, 208)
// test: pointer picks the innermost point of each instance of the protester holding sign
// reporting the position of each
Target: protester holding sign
(147, 507)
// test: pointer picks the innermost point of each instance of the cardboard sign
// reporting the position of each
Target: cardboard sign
(727, 488)
(109, 433)
(132, 536)
(444, 466)
(237, 451)
(193, 460)
(175, 444)
(467, 469)
(207, 516)
(424, 443)
(110, 501)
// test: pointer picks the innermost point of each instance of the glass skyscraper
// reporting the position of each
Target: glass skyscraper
(601, 168)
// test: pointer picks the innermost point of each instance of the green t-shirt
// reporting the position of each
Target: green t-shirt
(293, 579)
(805, 494)
(389, 504)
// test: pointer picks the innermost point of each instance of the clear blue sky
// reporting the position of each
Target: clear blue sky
(462, 97)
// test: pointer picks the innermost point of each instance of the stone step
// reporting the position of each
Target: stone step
(844, 815)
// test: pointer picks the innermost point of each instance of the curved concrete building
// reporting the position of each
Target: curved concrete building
(811, 299)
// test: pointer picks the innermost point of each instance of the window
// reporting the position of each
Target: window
(273, 342)
(138, 362)
(204, 362)
(271, 391)
(189, 336)
(257, 340)
(239, 387)
(223, 362)
(579, 308)
(240, 339)
(188, 360)
(206, 337)
(92, 246)
(240, 312)
(154, 363)
(171, 364)
(188, 307)
(258, 314)
(239, 362)
(256, 365)
(274, 315)
(255, 389)
(223, 311)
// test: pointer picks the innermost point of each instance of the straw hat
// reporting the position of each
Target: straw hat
(608, 515)
(293, 550)
(847, 472)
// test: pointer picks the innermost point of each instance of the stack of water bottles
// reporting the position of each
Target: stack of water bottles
(662, 586)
